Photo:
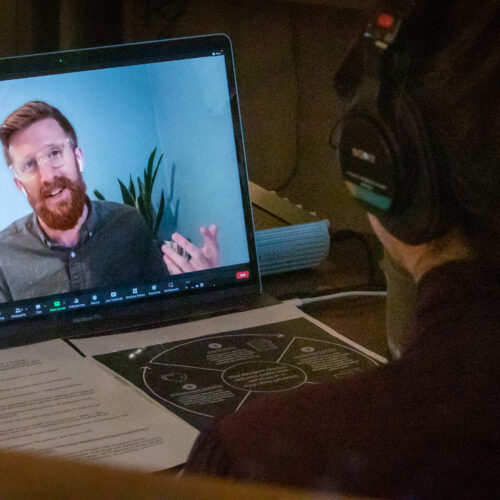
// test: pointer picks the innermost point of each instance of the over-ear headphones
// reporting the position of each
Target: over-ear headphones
(384, 149)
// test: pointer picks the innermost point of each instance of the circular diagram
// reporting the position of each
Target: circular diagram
(217, 374)
(222, 372)
(263, 376)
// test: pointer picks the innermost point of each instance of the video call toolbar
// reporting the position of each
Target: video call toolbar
(80, 300)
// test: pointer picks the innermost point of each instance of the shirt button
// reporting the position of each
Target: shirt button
(73, 254)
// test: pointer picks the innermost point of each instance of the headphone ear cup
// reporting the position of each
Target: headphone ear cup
(388, 164)
(419, 211)
(369, 158)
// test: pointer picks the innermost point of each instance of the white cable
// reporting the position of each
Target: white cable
(339, 295)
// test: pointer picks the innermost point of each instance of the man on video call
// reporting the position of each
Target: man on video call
(70, 242)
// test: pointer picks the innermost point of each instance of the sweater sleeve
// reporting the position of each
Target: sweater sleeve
(330, 437)
(208, 455)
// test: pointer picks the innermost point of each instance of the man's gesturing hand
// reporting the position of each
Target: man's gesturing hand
(205, 257)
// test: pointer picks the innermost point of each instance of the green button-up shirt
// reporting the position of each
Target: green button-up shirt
(115, 248)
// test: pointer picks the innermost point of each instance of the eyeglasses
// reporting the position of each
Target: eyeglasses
(53, 155)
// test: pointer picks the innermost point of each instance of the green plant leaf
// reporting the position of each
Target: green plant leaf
(141, 187)
(145, 182)
(159, 215)
(98, 195)
(148, 173)
(176, 214)
(155, 173)
(172, 181)
(131, 188)
(140, 206)
(128, 199)
(140, 196)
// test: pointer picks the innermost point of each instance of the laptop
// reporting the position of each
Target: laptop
(159, 147)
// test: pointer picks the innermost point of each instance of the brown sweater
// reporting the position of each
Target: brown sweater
(425, 426)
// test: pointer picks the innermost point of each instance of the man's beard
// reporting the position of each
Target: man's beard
(65, 214)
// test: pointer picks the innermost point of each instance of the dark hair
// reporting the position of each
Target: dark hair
(28, 114)
(454, 75)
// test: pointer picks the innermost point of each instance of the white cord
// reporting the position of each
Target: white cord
(309, 300)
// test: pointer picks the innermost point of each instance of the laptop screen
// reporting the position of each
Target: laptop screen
(123, 181)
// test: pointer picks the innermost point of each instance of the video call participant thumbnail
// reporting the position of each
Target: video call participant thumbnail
(70, 242)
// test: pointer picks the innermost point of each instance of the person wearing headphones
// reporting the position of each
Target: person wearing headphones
(419, 149)
(69, 242)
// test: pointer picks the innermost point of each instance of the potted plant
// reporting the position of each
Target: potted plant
(140, 197)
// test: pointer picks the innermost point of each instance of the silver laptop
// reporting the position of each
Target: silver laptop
(124, 199)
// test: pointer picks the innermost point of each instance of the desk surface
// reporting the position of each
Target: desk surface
(362, 319)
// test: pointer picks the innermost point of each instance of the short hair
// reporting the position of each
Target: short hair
(28, 114)
(454, 77)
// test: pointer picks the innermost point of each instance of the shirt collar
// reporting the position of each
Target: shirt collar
(86, 231)
(91, 222)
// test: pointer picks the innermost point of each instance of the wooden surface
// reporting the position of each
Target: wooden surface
(361, 319)
(26, 477)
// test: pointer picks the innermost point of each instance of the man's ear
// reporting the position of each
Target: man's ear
(79, 159)
(20, 186)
